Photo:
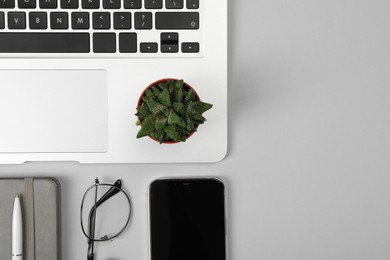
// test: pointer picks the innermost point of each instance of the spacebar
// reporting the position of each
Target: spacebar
(44, 42)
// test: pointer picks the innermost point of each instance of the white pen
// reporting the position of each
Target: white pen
(17, 230)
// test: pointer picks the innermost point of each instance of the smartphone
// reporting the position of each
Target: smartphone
(187, 219)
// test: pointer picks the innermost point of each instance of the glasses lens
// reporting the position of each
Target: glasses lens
(103, 219)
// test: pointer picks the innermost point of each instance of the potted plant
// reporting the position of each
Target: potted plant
(170, 111)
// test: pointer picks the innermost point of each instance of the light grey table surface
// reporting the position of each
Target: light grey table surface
(308, 167)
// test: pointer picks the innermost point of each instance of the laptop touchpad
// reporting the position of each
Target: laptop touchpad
(53, 111)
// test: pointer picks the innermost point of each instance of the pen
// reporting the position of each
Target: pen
(17, 230)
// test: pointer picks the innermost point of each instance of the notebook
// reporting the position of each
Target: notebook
(41, 213)
(72, 71)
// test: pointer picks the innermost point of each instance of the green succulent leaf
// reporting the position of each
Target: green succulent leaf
(153, 134)
(174, 119)
(170, 84)
(177, 95)
(154, 106)
(190, 96)
(178, 108)
(203, 107)
(149, 93)
(140, 116)
(179, 84)
(177, 91)
(198, 119)
(163, 86)
(147, 127)
(197, 107)
(185, 131)
(147, 98)
(190, 124)
(156, 91)
(158, 135)
(143, 111)
(172, 132)
(164, 98)
(160, 122)
(165, 111)
(190, 108)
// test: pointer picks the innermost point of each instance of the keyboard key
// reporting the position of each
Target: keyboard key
(143, 20)
(128, 42)
(59, 20)
(133, 4)
(111, 4)
(104, 43)
(149, 47)
(27, 4)
(122, 20)
(101, 20)
(153, 4)
(80, 20)
(174, 4)
(44, 42)
(90, 4)
(38, 20)
(192, 4)
(169, 38)
(177, 20)
(169, 48)
(47, 4)
(2, 25)
(169, 42)
(190, 47)
(17, 20)
(69, 4)
(7, 3)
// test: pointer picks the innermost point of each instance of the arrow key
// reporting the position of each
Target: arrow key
(169, 42)
(122, 20)
(170, 48)
(169, 38)
(190, 47)
(149, 47)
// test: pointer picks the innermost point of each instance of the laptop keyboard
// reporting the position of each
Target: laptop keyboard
(101, 27)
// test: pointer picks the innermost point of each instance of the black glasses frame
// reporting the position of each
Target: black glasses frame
(112, 191)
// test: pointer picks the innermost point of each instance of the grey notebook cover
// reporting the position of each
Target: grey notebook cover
(41, 209)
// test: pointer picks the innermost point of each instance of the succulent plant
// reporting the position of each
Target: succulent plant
(170, 111)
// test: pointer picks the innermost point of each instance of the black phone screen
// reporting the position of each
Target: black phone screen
(187, 219)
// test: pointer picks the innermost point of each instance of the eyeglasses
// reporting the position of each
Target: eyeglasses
(105, 213)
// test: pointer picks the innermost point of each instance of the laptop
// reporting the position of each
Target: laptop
(72, 71)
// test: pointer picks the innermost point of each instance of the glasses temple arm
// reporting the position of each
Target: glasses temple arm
(90, 255)
(111, 192)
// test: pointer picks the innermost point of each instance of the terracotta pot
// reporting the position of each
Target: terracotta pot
(186, 85)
